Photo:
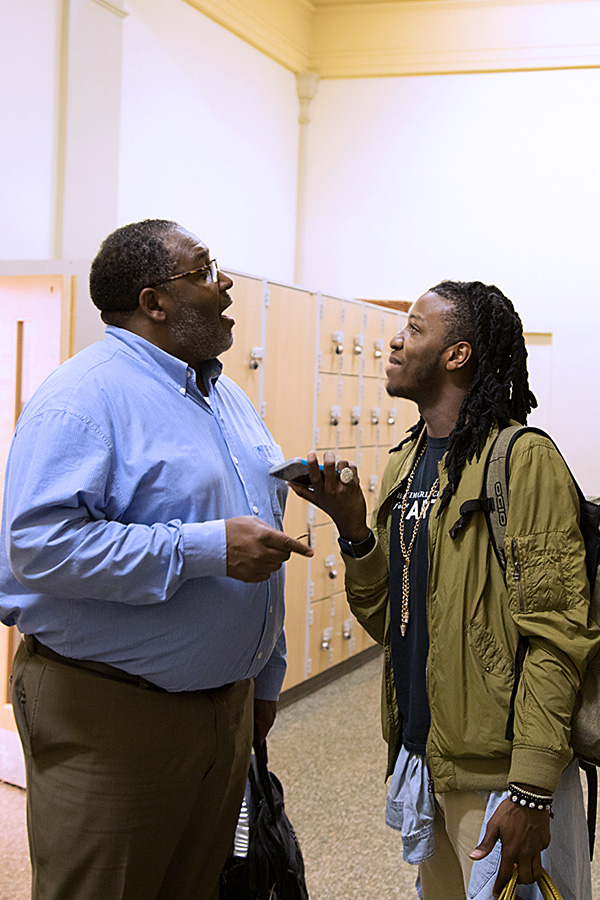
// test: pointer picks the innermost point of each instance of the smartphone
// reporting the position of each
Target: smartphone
(295, 470)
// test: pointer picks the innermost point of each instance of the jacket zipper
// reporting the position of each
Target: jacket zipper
(517, 570)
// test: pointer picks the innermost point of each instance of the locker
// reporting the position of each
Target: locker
(329, 411)
(332, 345)
(370, 467)
(298, 517)
(326, 645)
(376, 347)
(353, 328)
(327, 568)
(296, 618)
(371, 401)
(349, 629)
(289, 367)
(351, 412)
(338, 411)
(244, 360)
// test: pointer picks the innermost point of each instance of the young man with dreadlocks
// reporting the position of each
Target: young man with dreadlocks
(425, 583)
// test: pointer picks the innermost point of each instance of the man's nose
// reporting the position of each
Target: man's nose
(224, 281)
(397, 342)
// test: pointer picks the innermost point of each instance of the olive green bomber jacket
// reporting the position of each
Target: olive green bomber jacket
(475, 619)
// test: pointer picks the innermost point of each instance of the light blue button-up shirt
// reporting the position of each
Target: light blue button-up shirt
(119, 481)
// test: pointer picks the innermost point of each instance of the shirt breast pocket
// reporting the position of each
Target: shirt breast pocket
(269, 453)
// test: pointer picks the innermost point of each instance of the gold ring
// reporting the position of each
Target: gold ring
(346, 475)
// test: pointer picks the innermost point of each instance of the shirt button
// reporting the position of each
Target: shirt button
(235, 459)
(270, 609)
(182, 390)
(189, 374)
(260, 655)
(255, 510)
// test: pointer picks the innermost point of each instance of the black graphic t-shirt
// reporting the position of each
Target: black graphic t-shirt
(409, 653)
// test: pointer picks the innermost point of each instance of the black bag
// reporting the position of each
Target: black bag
(273, 868)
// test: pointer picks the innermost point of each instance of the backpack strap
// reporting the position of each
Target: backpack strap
(495, 488)
(495, 479)
(591, 773)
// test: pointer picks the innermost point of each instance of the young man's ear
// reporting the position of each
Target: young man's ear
(151, 304)
(458, 355)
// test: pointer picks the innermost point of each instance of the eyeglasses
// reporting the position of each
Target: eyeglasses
(211, 268)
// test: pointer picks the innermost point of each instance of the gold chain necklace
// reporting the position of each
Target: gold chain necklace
(406, 551)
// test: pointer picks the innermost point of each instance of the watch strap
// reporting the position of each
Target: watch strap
(357, 549)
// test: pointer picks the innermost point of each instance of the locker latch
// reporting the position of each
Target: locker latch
(338, 339)
(378, 348)
(375, 415)
(392, 416)
(326, 638)
(334, 415)
(358, 343)
(355, 415)
(373, 482)
(256, 355)
(330, 564)
(347, 629)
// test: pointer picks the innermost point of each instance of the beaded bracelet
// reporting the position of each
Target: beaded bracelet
(526, 798)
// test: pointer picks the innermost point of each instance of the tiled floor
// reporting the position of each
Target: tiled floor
(327, 751)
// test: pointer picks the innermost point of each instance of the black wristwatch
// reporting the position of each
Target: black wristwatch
(357, 549)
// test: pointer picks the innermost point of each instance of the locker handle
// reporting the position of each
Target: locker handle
(330, 564)
(355, 415)
(256, 355)
(358, 344)
(326, 638)
(338, 339)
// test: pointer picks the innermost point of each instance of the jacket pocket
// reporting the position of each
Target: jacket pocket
(539, 573)
(490, 653)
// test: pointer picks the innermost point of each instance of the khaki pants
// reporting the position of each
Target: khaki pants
(456, 827)
(132, 794)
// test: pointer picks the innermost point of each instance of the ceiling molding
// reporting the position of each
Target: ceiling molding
(406, 37)
(382, 63)
(374, 38)
(280, 30)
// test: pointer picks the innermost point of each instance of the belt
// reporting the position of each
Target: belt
(96, 668)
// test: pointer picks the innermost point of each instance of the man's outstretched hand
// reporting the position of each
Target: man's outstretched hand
(255, 550)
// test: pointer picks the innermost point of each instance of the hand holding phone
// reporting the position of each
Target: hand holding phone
(294, 470)
(321, 485)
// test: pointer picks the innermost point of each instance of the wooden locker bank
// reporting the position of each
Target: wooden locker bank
(313, 365)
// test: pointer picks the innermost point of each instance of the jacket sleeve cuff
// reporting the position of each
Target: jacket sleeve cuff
(537, 767)
(204, 549)
(365, 571)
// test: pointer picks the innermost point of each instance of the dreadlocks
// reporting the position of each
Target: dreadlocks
(483, 316)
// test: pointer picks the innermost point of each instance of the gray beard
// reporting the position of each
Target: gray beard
(198, 339)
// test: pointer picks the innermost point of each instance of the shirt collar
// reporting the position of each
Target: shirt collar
(175, 369)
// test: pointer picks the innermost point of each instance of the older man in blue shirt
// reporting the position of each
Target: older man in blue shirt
(142, 556)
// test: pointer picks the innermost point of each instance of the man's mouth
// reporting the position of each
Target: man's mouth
(228, 319)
